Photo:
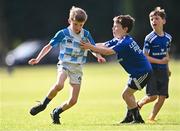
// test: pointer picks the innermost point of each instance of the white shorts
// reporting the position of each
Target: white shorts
(74, 71)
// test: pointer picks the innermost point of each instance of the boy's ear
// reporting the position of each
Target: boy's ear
(126, 29)
(69, 21)
(164, 21)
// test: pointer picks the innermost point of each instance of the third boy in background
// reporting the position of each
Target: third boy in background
(156, 48)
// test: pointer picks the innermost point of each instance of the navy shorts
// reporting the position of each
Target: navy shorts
(158, 83)
(139, 82)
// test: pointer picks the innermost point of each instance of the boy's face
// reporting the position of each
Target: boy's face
(157, 22)
(76, 26)
(118, 30)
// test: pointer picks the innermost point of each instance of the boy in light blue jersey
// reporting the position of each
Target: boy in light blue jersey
(156, 48)
(132, 59)
(71, 58)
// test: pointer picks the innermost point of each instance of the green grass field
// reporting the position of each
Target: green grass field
(100, 106)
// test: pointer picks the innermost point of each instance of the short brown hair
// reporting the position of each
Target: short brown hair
(125, 21)
(158, 12)
(77, 14)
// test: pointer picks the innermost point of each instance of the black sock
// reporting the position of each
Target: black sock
(58, 110)
(46, 101)
(134, 109)
(136, 113)
(129, 113)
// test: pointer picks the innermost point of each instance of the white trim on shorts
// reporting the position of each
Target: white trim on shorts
(139, 81)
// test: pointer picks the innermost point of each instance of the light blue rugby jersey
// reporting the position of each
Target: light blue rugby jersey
(69, 43)
(157, 47)
(130, 56)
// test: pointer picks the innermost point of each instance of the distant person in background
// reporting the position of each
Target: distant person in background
(132, 59)
(71, 57)
(156, 48)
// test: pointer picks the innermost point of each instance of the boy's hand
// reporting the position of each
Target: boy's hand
(33, 61)
(165, 60)
(101, 59)
(85, 45)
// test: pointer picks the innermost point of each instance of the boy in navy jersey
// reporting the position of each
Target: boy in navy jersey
(71, 58)
(156, 48)
(132, 59)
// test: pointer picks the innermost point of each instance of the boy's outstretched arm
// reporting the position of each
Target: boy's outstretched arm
(99, 57)
(42, 53)
(98, 49)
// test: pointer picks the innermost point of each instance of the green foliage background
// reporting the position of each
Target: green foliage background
(22, 20)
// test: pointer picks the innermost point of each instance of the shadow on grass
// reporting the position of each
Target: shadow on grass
(127, 124)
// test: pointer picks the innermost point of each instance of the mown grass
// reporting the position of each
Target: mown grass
(100, 106)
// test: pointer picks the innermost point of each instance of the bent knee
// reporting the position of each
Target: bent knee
(151, 98)
(73, 101)
(125, 95)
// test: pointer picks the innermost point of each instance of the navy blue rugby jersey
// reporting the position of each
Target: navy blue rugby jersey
(130, 56)
(157, 47)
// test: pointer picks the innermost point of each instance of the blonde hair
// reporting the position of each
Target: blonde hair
(158, 12)
(77, 14)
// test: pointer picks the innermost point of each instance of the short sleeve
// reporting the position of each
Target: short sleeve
(169, 42)
(59, 36)
(91, 39)
(111, 43)
(146, 48)
(118, 48)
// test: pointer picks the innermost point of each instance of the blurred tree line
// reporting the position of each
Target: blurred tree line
(22, 20)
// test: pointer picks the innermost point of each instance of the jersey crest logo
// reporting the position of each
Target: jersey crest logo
(69, 40)
(162, 50)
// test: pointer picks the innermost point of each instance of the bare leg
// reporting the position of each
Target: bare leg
(128, 96)
(62, 76)
(74, 93)
(52, 93)
(146, 100)
(133, 114)
(157, 107)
